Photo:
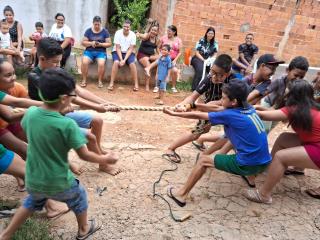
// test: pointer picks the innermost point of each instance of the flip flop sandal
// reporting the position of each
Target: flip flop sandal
(92, 230)
(313, 193)
(177, 201)
(83, 84)
(247, 181)
(135, 89)
(200, 147)
(173, 157)
(110, 88)
(293, 172)
(254, 196)
(100, 85)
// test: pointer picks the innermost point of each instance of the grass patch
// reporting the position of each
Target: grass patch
(184, 86)
(33, 229)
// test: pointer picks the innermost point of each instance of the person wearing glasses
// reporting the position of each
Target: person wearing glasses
(248, 54)
(62, 33)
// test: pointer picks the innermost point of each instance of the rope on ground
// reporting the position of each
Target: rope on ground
(142, 108)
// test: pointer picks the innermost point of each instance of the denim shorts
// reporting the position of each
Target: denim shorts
(162, 84)
(131, 58)
(95, 54)
(83, 119)
(6, 160)
(75, 197)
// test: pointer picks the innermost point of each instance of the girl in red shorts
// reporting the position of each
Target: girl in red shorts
(299, 149)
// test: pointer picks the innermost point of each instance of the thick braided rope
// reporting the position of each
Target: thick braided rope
(126, 108)
(142, 108)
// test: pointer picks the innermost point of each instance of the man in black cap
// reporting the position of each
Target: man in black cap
(261, 79)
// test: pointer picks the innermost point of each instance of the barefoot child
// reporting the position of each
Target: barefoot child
(244, 129)
(50, 53)
(164, 69)
(6, 47)
(51, 136)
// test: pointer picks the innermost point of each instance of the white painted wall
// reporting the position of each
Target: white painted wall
(78, 13)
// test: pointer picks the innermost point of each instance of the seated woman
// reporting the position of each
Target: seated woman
(15, 31)
(299, 149)
(62, 33)
(148, 51)
(175, 44)
(206, 47)
(96, 40)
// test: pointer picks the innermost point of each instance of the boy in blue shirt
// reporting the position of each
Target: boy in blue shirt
(244, 129)
(164, 68)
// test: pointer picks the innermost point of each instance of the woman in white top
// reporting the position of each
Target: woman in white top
(62, 33)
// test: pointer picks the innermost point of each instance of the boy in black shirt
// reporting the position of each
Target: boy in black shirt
(211, 87)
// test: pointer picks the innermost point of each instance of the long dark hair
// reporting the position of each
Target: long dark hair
(300, 102)
(8, 9)
(210, 29)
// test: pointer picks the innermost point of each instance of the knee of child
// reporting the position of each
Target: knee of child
(96, 121)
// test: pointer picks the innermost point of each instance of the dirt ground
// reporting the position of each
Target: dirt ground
(128, 210)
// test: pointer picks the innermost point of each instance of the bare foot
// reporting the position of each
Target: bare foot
(147, 71)
(55, 209)
(110, 169)
(111, 158)
(76, 169)
(21, 186)
(157, 97)
(159, 102)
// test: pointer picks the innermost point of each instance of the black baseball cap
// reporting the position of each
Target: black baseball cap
(268, 59)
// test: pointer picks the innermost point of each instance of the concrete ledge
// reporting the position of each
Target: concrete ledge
(186, 73)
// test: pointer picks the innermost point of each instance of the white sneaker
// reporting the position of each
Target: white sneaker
(174, 90)
(156, 89)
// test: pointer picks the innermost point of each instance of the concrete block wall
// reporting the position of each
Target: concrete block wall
(269, 20)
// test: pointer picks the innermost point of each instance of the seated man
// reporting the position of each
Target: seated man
(123, 53)
(244, 129)
(248, 53)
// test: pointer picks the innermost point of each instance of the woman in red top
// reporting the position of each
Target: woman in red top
(299, 149)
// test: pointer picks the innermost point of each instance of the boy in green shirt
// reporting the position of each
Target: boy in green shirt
(51, 136)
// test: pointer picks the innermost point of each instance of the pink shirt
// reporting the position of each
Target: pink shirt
(175, 45)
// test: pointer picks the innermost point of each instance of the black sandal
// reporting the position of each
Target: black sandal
(200, 147)
(173, 157)
(177, 201)
(93, 228)
(247, 181)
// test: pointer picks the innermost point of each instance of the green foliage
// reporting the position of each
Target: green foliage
(34, 229)
(134, 10)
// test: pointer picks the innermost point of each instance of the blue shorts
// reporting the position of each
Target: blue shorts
(83, 119)
(6, 160)
(95, 54)
(162, 85)
(75, 197)
(131, 58)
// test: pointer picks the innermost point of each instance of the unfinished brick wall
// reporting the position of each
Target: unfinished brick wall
(267, 19)
(159, 11)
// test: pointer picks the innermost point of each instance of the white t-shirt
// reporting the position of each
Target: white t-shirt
(5, 40)
(124, 41)
(60, 34)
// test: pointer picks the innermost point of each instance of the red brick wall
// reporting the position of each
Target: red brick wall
(267, 19)
(159, 11)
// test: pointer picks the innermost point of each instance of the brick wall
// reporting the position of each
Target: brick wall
(159, 11)
(267, 19)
